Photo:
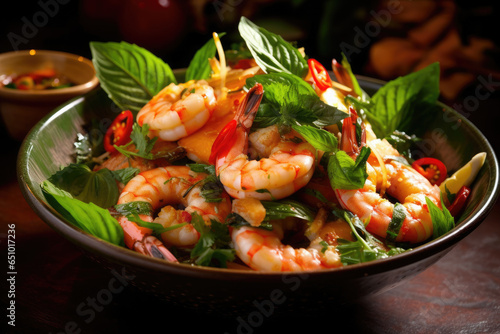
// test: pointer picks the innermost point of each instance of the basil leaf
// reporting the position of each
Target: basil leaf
(276, 85)
(402, 142)
(267, 115)
(320, 139)
(86, 185)
(289, 100)
(271, 52)
(398, 217)
(442, 220)
(199, 67)
(86, 216)
(287, 208)
(129, 74)
(345, 173)
(404, 101)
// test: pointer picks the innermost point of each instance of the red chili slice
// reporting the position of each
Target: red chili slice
(319, 74)
(119, 131)
(432, 169)
(458, 204)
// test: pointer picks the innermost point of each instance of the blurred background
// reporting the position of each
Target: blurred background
(381, 38)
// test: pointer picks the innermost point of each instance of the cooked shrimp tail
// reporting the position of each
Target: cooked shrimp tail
(140, 239)
(349, 141)
(234, 136)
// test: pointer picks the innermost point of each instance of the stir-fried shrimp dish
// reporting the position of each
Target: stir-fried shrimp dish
(258, 159)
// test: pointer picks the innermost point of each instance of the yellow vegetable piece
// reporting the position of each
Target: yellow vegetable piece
(465, 175)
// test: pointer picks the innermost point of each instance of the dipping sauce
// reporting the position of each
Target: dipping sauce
(37, 80)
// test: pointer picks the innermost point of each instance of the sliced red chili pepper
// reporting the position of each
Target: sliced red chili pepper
(319, 74)
(458, 204)
(119, 131)
(435, 171)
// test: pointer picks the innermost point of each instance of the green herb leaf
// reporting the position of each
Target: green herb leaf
(345, 173)
(158, 229)
(142, 142)
(320, 139)
(289, 100)
(402, 142)
(211, 187)
(398, 217)
(276, 210)
(403, 102)
(442, 220)
(199, 67)
(235, 220)
(212, 249)
(129, 74)
(86, 185)
(86, 216)
(144, 145)
(202, 168)
(125, 174)
(366, 247)
(137, 207)
(271, 52)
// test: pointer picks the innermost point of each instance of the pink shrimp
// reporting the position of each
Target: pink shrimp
(263, 250)
(178, 110)
(169, 185)
(288, 168)
(402, 182)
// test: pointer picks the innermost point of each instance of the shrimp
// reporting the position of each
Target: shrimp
(401, 182)
(263, 250)
(140, 240)
(172, 185)
(178, 110)
(288, 168)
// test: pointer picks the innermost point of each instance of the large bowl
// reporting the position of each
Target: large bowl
(450, 137)
(22, 109)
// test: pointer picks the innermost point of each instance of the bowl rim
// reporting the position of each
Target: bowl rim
(125, 256)
(77, 89)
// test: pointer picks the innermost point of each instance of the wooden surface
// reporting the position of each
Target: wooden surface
(57, 288)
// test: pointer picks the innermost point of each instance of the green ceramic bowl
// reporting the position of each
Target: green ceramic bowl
(450, 137)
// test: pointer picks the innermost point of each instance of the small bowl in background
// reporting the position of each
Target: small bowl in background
(22, 109)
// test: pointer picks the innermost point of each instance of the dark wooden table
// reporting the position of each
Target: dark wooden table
(54, 280)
